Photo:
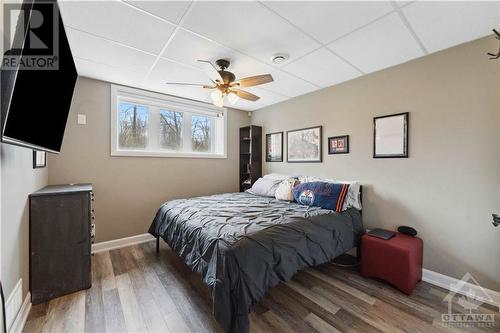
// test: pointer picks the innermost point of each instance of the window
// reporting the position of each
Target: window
(150, 124)
(133, 126)
(171, 124)
(201, 127)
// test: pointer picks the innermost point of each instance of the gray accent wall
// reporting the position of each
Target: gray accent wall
(19, 179)
(129, 190)
(450, 185)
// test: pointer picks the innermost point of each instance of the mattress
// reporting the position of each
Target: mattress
(243, 244)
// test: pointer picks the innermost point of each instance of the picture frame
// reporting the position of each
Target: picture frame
(390, 136)
(39, 159)
(338, 144)
(274, 147)
(304, 145)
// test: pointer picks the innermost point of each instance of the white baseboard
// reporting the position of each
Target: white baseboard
(22, 316)
(481, 294)
(17, 310)
(122, 242)
(13, 303)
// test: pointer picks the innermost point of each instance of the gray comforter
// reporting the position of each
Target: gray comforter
(243, 245)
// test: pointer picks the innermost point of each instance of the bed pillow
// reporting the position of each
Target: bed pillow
(285, 189)
(322, 194)
(276, 176)
(353, 196)
(265, 187)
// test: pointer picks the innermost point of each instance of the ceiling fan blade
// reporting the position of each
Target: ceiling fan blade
(191, 84)
(245, 95)
(211, 71)
(254, 80)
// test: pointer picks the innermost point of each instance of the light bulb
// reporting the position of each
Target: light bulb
(233, 98)
(219, 102)
(216, 95)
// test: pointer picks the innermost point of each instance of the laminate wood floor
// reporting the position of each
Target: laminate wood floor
(136, 290)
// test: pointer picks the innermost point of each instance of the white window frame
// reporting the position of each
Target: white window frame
(169, 103)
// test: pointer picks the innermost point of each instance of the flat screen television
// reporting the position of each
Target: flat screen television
(38, 78)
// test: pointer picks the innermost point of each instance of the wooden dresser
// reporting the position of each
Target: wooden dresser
(61, 233)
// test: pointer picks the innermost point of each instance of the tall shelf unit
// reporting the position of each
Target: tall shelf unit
(250, 156)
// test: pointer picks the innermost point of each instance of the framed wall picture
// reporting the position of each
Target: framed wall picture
(304, 145)
(338, 144)
(39, 159)
(274, 147)
(390, 136)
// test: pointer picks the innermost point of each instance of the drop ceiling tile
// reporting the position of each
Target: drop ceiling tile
(440, 25)
(108, 53)
(242, 104)
(329, 20)
(117, 21)
(197, 94)
(248, 27)
(187, 48)
(403, 3)
(169, 10)
(107, 73)
(288, 85)
(384, 43)
(322, 68)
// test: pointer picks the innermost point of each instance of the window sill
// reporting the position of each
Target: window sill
(130, 153)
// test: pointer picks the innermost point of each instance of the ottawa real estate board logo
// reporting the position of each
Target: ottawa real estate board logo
(31, 36)
(468, 305)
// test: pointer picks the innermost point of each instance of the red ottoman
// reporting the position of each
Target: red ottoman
(397, 260)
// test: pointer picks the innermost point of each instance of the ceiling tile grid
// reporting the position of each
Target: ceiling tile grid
(249, 27)
(118, 22)
(440, 25)
(149, 43)
(322, 68)
(382, 44)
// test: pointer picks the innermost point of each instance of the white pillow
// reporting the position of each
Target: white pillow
(285, 189)
(353, 195)
(264, 187)
(309, 179)
(353, 198)
(276, 176)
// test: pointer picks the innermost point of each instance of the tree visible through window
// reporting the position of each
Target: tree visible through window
(133, 125)
(200, 133)
(171, 124)
(150, 124)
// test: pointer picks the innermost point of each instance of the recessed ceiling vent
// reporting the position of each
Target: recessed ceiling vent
(279, 58)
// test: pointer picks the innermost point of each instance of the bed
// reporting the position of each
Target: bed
(243, 244)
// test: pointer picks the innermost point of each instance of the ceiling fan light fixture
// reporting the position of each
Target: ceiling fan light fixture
(216, 95)
(224, 82)
(233, 98)
(219, 102)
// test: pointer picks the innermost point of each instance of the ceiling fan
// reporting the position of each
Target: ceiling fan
(225, 83)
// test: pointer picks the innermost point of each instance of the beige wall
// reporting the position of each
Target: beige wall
(449, 187)
(129, 190)
(19, 179)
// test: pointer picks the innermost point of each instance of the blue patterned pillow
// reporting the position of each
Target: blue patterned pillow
(321, 194)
